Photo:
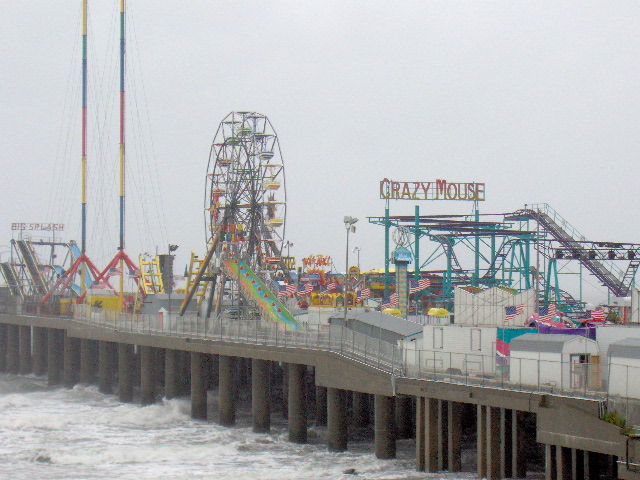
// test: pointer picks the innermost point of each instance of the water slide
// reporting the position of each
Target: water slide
(254, 288)
(11, 278)
(30, 261)
(75, 251)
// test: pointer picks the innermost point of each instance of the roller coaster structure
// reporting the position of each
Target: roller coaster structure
(520, 250)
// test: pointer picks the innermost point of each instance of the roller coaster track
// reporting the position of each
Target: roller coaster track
(617, 281)
(33, 267)
(13, 282)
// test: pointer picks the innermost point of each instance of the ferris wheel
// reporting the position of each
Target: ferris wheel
(245, 194)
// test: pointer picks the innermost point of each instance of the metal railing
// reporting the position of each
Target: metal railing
(614, 385)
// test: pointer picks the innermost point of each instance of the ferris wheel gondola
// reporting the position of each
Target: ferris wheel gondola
(245, 192)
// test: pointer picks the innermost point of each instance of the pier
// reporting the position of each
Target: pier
(187, 355)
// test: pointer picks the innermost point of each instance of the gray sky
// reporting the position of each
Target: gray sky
(537, 99)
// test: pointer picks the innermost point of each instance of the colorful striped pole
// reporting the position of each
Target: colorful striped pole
(122, 155)
(83, 243)
(122, 150)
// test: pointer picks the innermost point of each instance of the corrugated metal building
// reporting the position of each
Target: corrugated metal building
(624, 368)
(555, 361)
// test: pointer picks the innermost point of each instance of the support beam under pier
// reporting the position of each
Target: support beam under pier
(39, 351)
(227, 389)
(125, 372)
(71, 361)
(297, 411)
(260, 395)
(24, 334)
(148, 380)
(106, 366)
(55, 355)
(199, 375)
(13, 349)
(88, 361)
(337, 419)
(385, 428)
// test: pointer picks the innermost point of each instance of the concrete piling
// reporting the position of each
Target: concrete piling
(297, 408)
(171, 374)
(148, 378)
(337, 419)
(24, 338)
(385, 430)
(71, 374)
(55, 343)
(39, 336)
(3, 347)
(106, 366)
(125, 372)
(88, 361)
(199, 362)
(260, 393)
(13, 349)
(227, 390)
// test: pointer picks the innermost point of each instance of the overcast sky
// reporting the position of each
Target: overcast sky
(538, 99)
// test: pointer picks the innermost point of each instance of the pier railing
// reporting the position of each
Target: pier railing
(616, 386)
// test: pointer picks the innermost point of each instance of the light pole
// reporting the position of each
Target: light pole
(357, 249)
(349, 224)
(288, 244)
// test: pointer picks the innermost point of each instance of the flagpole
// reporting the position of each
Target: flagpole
(122, 150)
(83, 166)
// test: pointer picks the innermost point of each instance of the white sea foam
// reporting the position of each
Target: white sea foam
(81, 434)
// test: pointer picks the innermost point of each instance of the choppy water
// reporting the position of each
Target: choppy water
(82, 434)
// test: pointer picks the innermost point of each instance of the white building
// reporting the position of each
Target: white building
(606, 335)
(624, 368)
(453, 348)
(487, 307)
(559, 362)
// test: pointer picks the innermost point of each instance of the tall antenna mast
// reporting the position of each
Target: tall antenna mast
(122, 150)
(83, 243)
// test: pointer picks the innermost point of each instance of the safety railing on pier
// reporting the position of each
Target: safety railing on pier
(614, 385)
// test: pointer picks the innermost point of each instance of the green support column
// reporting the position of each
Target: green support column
(387, 227)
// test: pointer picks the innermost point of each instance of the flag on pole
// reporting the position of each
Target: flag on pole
(282, 290)
(331, 286)
(115, 271)
(389, 301)
(520, 309)
(308, 288)
(547, 312)
(509, 313)
(418, 285)
(364, 293)
(599, 314)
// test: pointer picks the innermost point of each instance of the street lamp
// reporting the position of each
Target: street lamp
(288, 244)
(357, 249)
(349, 224)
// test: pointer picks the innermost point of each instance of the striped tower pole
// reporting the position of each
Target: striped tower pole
(83, 246)
(122, 150)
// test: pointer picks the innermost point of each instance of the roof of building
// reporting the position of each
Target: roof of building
(384, 321)
(627, 348)
(540, 342)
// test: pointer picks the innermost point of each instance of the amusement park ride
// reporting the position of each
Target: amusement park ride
(245, 215)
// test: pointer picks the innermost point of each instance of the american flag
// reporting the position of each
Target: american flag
(284, 290)
(308, 288)
(389, 301)
(364, 293)
(331, 286)
(520, 309)
(417, 285)
(509, 313)
(115, 271)
(547, 312)
(134, 273)
(599, 314)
